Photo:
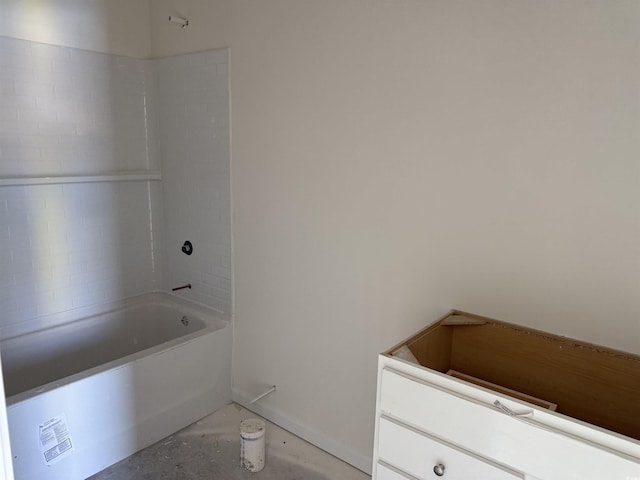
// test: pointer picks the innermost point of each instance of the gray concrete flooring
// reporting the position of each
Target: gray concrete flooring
(210, 449)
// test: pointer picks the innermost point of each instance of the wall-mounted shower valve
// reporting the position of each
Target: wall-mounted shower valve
(187, 248)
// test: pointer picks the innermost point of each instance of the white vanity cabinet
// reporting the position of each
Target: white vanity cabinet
(503, 424)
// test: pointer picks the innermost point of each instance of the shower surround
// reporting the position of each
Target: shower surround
(69, 118)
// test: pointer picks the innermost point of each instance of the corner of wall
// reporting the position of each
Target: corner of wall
(297, 427)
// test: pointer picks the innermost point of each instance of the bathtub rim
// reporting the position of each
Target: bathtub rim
(72, 315)
(212, 323)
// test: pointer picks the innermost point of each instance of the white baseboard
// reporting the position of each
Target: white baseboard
(331, 445)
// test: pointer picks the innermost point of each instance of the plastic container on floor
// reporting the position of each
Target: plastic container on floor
(252, 441)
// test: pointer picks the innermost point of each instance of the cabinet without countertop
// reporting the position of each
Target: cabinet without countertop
(529, 402)
(595, 384)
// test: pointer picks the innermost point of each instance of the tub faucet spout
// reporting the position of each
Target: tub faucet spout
(188, 285)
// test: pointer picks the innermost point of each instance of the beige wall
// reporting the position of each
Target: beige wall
(119, 27)
(394, 159)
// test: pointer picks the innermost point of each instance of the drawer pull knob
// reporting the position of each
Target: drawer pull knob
(439, 469)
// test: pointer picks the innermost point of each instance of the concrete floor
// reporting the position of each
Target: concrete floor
(210, 449)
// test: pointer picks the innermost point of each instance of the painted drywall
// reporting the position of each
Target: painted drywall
(395, 159)
(119, 27)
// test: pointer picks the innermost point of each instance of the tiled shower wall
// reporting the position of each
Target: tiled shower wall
(70, 246)
(70, 112)
(193, 115)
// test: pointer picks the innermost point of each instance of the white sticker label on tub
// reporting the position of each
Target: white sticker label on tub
(55, 440)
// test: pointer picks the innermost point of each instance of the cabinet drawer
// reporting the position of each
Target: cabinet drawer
(386, 472)
(516, 441)
(424, 456)
(442, 413)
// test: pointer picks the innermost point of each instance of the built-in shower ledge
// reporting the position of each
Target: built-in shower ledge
(132, 176)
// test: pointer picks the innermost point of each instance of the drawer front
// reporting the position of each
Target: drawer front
(426, 457)
(510, 440)
(386, 472)
(443, 414)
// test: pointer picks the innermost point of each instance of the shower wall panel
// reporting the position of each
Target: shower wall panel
(67, 111)
(193, 144)
(71, 112)
(72, 246)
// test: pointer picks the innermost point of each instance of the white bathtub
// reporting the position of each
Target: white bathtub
(112, 384)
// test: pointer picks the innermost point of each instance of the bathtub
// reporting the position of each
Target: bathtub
(88, 392)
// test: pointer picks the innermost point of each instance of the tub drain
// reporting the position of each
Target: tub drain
(185, 320)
